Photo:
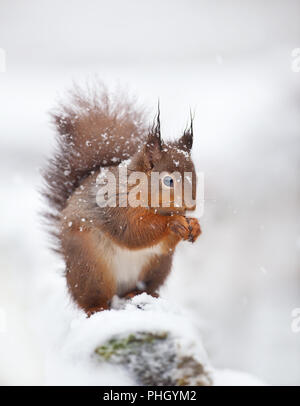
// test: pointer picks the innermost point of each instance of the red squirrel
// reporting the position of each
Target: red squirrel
(112, 251)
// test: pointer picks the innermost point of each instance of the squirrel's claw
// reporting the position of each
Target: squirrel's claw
(180, 226)
(187, 228)
(194, 229)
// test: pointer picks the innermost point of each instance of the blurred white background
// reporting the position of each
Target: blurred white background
(231, 61)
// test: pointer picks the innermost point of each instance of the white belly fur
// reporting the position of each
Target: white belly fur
(126, 264)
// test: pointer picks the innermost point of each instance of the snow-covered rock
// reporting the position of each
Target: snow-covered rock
(144, 341)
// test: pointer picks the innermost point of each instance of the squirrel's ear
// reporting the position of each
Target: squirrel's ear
(186, 141)
(153, 145)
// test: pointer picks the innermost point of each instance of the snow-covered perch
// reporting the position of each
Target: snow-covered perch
(140, 342)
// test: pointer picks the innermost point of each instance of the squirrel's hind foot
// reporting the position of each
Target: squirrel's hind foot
(134, 293)
(96, 309)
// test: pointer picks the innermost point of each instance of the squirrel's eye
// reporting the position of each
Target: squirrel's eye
(168, 181)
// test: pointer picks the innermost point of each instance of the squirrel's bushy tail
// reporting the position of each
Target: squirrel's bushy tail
(94, 128)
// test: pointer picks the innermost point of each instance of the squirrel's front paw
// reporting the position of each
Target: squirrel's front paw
(194, 229)
(180, 226)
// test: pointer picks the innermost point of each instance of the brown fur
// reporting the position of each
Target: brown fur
(93, 130)
(89, 236)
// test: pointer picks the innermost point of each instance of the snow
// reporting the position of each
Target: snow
(227, 377)
(72, 360)
(239, 283)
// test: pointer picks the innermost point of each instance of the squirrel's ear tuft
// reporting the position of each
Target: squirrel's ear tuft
(186, 141)
(153, 145)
